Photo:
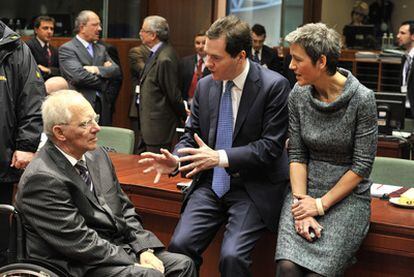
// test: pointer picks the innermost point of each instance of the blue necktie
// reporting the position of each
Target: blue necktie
(256, 57)
(224, 138)
(90, 49)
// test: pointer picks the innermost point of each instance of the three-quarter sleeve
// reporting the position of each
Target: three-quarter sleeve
(366, 135)
(298, 152)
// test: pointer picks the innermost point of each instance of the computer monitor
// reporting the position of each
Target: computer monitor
(390, 111)
(360, 37)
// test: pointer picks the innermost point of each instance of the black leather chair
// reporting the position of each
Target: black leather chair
(18, 262)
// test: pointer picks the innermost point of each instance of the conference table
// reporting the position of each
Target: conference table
(388, 249)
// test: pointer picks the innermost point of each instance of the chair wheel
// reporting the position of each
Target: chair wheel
(25, 270)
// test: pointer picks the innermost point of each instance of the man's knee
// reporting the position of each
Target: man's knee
(179, 244)
(231, 257)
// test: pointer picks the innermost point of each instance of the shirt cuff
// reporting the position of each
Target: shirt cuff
(223, 159)
(176, 170)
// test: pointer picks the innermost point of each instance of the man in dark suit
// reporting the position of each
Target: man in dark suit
(406, 40)
(161, 106)
(45, 54)
(88, 67)
(233, 148)
(75, 213)
(262, 53)
(193, 67)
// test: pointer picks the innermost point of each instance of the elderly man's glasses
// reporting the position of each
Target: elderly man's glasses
(87, 123)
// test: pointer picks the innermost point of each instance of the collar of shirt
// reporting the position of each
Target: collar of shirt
(411, 53)
(237, 90)
(84, 42)
(155, 48)
(71, 159)
(42, 43)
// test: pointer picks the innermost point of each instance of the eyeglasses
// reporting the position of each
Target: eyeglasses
(145, 31)
(87, 123)
(90, 122)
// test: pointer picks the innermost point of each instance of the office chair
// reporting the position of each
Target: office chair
(18, 263)
(117, 139)
(392, 171)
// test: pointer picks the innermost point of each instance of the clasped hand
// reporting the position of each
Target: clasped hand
(304, 207)
(198, 159)
(149, 260)
(304, 226)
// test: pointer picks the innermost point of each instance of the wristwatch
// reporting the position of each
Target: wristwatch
(145, 250)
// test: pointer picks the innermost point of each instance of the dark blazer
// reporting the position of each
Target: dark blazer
(137, 57)
(161, 106)
(186, 68)
(72, 57)
(257, 159)
(67, 225)
(270, 59)
(40, 55)
(410, 84)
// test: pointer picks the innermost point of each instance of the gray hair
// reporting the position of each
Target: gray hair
(56, 109)
(317, 40)
(159, 26)
(81, 19)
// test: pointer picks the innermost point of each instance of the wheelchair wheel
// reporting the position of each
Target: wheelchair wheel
(25, 270)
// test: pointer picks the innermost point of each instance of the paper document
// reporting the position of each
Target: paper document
(378, 190)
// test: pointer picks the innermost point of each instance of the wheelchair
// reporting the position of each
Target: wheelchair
(18, 264)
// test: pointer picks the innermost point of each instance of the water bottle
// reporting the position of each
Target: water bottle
(390, 41)
(11, 24)
(384, 41)
(18, 26)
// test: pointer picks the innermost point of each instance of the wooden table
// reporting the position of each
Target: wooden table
(395, 148)
(388, 250)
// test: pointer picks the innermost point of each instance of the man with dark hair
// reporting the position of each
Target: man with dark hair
(233, 148)
(406, 40)
(88, 67)
(262, 53)
(45, 54)
(21, 94)
(161, 106)
(193, 67)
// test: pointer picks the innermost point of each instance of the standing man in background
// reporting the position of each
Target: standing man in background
(21, 94)
(193, 67)
(261, 53)
(234, 149)
(406, 40)
(161, 106)
(137, 57)
(88, 67)
(45, 54)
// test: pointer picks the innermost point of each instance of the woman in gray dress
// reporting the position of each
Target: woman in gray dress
(332, 145)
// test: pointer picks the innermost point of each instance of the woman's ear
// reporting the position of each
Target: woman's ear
(322, 61)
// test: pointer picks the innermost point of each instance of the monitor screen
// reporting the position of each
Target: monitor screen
(391, 111)
(360, 36)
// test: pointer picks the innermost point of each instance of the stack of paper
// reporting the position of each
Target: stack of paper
(379, 190)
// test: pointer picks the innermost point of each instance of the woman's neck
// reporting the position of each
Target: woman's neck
(329, 87)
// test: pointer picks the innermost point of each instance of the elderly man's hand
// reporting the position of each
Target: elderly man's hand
(107, 64)
(149, 260)
(21, 159)
(163, 163)
(201, 158)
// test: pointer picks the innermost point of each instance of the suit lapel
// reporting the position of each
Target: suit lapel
(94, 172)
(214, 103)
(69, 171)
(250, 91)
(83, 52)
(152, 61)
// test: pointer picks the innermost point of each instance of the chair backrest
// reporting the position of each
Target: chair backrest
(119, 139)
(393, 171)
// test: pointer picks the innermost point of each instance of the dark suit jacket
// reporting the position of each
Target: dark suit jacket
(257, 159)
(270, 59)
(137, 57)
(186, 68)
(72, 57)
(40, 56)
(67, 225)
(410, 85)
(161, 105)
